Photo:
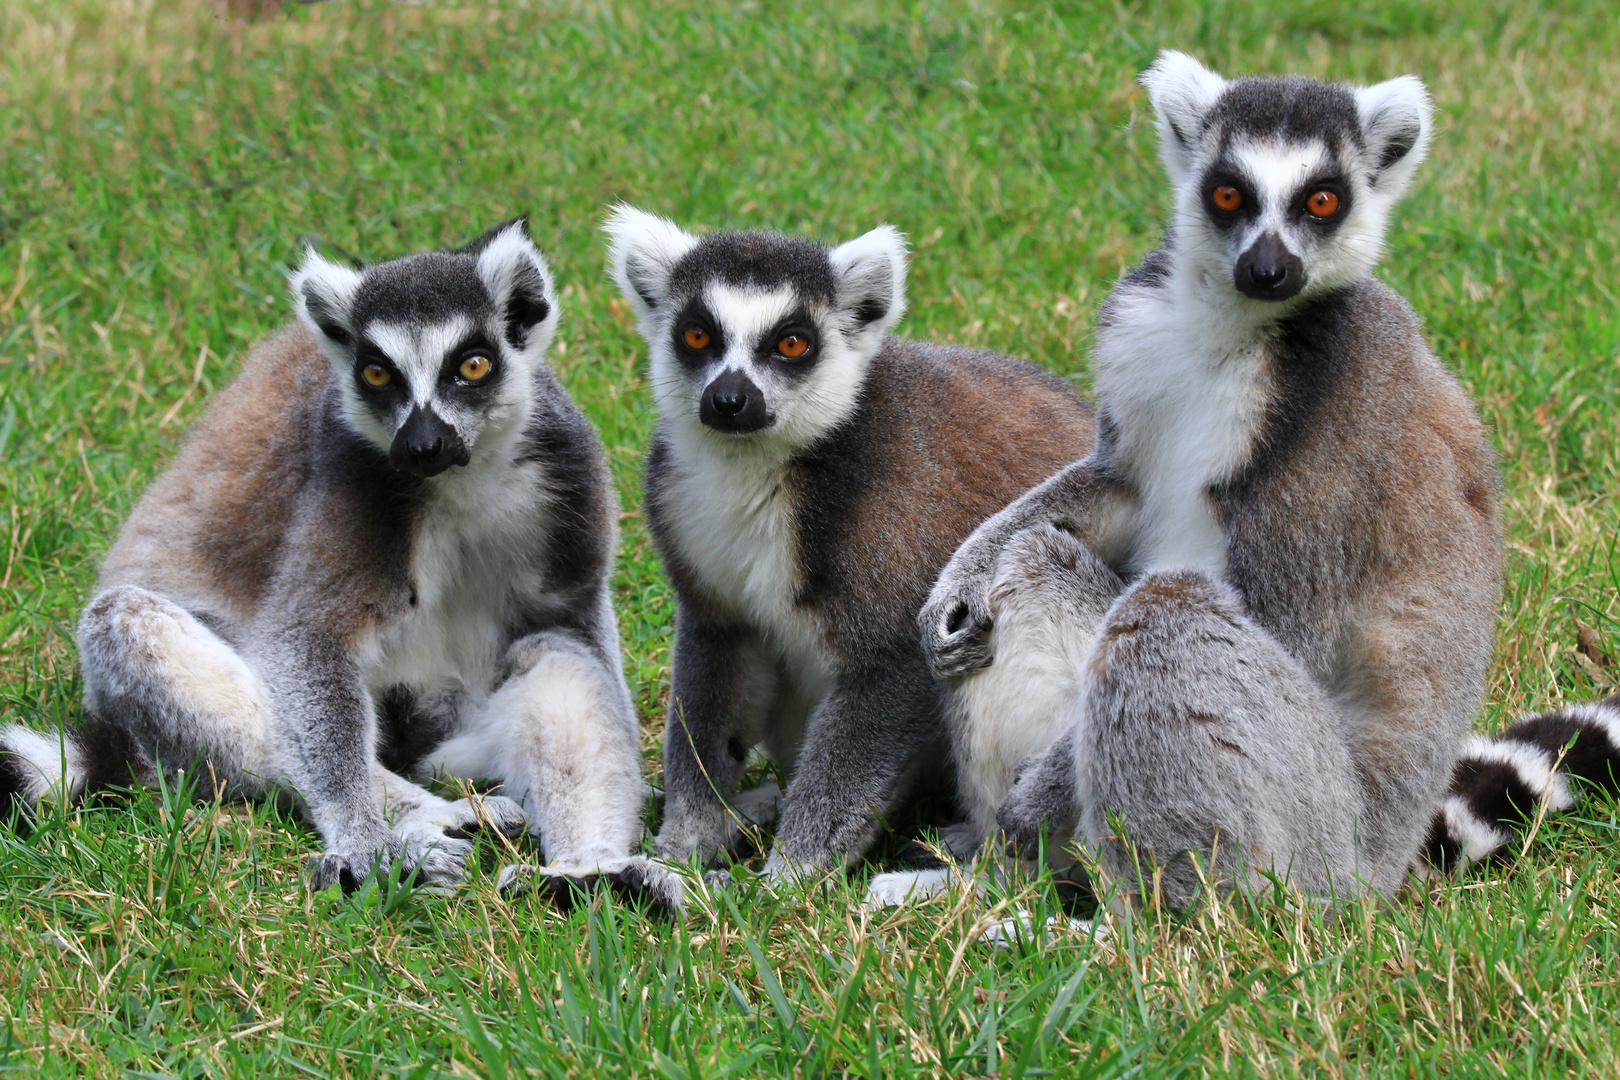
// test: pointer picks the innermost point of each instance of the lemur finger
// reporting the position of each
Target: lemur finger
(962, 653)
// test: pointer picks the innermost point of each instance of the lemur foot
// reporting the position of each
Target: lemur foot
(711, 835)
(634, 876)
(1020, 928)
(909, 887)
(434, 859)
(464, 817)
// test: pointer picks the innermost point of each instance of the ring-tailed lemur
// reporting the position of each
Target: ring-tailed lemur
(809, 477)
(386, 546)
(1299, 504)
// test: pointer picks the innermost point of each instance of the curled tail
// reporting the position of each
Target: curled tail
(1499, 783)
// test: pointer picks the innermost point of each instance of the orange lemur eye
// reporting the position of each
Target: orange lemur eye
(376, 375)
(475, 367)
(792, 346)
(1322, 204)
(1227, 198)
(696, 338)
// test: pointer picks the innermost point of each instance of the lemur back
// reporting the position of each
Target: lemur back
(386, 546)
(808, 478)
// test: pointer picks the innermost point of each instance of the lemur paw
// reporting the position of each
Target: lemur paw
(634, 876)
(682, 837)
(955, 624)
(758, 806)
(423, 851)
(464, 817)
(437, 859)
(961, 841)
(1021, 929)
(908, 887)
(784, 871)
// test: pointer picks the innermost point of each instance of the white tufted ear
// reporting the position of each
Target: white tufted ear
(1182, 92)
(1396, 121)
(871, 274)
(323, 293)
(643, 249)
(519, 281)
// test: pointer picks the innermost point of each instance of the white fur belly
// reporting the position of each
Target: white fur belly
(732, 521)
(475, 550)
(1188, 398)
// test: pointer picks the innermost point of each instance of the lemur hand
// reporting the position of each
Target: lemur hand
(956, 622)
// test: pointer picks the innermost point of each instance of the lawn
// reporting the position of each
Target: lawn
(161, 164)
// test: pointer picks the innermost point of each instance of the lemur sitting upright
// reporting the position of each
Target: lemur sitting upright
(809, 477)
(386, 546)
(1287, 539)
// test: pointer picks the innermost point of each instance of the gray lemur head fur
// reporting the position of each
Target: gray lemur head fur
(757, 338)
(436, 352)
(1283, 187)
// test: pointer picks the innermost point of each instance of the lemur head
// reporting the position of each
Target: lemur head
(435, 350)
(756, 337)
(1283, 187)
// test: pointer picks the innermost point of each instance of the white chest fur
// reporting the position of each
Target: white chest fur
(731, 516)
(1187, 388)
(475, 549)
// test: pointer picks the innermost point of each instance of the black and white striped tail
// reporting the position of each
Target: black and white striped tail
(1500, 783)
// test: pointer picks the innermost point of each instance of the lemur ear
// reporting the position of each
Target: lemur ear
(1182, 92)
(870, 272)
(323, 292)
(518, 280)
(1396, 120)
(643, 249)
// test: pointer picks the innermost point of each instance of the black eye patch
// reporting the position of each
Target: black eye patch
(451, 379)
(1227, 195)
(1328, 213)
(792, 345)
(697, 337)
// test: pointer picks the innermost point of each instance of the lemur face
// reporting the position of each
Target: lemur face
(757, 337)
(1283, 186)
(435, 351)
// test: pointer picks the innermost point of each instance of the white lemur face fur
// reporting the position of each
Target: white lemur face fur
(1283, 187)
(757, 338)
(436, 351)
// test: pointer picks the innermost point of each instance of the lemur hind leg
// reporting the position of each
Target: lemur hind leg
(176, 696)
(1050, 595)
(1205, 739)
(560, 735)
(171, 694)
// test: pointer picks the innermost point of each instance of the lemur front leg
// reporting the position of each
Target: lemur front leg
(324, 744)
(724, 684)
(1082, 500)
(862, 749)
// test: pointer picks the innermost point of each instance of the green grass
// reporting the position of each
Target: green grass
(159, 164)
